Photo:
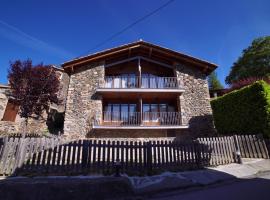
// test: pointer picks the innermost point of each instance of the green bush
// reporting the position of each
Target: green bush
(244, 111)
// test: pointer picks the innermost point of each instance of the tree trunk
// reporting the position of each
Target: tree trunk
(25, 126)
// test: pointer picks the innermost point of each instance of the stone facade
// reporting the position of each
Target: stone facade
(82, 102)
(127, 133)
(37, 126)
(3, 99)
(194, 103)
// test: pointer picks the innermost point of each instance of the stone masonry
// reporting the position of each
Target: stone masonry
(38, 126)
(82, 102)
(194, 103)
(3, 99)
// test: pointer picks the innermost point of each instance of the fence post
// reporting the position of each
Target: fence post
(237, 152)
(149, 157)
(20, 155)
(198, 154)
(84, 154)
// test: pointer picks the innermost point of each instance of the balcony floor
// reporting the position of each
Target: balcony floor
(141, 90)
(140, 127)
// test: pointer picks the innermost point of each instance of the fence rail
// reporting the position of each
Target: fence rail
(39, 156)
(143, 82)
(139, 119)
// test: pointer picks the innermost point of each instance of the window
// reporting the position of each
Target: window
(119, 112)
(152, 112)
(121, 81)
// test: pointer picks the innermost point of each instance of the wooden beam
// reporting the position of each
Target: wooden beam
(156, 62)
(141, 58)
(122, 61)
(94, 57)
(150, 52)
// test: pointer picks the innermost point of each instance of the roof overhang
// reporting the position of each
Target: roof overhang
(151, 49)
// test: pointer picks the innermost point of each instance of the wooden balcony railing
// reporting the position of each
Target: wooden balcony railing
(139, 119)
(143, 82)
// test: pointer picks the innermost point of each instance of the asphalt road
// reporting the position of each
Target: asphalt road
(257, 188)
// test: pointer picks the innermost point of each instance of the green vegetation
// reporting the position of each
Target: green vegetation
(213, 82)
(254, 61)
(244, 111)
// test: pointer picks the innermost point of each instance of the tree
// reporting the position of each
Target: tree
(236, 85)
(213, 82)
(254, 61)
(33, 88)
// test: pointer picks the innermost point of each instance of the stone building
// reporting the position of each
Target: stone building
(135, 90)
(11, 122)
(138, 90)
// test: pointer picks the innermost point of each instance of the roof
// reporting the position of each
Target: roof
(138, 44)
(4, 86)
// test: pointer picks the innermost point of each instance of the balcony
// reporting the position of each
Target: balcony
(138, 120)
(140, 84)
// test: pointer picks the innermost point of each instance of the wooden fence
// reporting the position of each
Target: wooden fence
(39, 156)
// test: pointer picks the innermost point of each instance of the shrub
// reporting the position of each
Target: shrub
(244, 111)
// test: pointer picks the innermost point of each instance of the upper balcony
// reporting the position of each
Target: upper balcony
(143, 84)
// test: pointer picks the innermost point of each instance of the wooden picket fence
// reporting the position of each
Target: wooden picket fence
(43, 156)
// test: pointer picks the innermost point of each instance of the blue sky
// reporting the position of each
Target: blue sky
(53, 32)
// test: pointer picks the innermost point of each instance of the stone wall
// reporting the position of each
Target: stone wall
(82, 102)
(139, 133)
(37, 126)
(127, 133)
(63, 89)
(194, 103)
(3, 100)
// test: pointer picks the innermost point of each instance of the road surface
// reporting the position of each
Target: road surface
(257, 188)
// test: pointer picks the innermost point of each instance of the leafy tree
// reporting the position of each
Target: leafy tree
(254, 61)
(236, 85)
(213, 82)
(33, 88)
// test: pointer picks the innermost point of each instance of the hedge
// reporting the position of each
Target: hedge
(244, 111)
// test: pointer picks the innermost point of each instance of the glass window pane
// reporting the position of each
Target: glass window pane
(154, 112)
(108, 82)
(133, 117)
(107, 112)
(154, 107)
(171, 108)
(132, 81)
(163, 107)
(116, 82)
(153, 81)
(145, 79)
(116, 112)
(124, 80)
(124, 112)
(132, 108)
(146, 112)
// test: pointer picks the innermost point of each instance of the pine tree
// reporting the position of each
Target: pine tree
(213, 82)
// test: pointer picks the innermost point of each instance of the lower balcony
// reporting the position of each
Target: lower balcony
(138, 120)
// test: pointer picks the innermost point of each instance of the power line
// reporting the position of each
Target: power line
(131, 25)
